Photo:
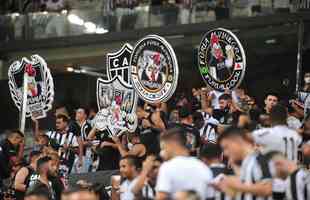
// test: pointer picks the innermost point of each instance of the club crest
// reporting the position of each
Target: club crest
(117, 103)
(154, 69)
(221, 59)
(40, 86)
(118, 63)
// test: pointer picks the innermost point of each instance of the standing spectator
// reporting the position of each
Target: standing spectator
(11, 153)
(271, 100)
(185, 8)
(136, 149)
(129, 171)
(279, 137)
(108, 155)
(293, 120)
(225, 112)
(125, 13)
(211, 155)
(25, 175)
(44, 169)
(192, 133)
(81, 118)
(297, 178)
(143, 186)
(254, 181)
(181, 172)
(65, 142)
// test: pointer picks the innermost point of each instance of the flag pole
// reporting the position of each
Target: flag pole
(24, 104)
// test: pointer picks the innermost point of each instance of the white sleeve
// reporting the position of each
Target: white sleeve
(48, 133)
(163, 181)
(75, 142)
(262, 136)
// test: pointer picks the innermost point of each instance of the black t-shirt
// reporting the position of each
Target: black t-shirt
(7, 151)
(31, 173)
(108, 156)
(150, 138)
(223, 116)
(192, 135)
(57, 186)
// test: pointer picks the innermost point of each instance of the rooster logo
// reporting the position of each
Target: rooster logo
(220, 63)
(152, 70)
(32, 88)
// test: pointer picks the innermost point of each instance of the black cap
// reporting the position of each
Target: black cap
(184, 112)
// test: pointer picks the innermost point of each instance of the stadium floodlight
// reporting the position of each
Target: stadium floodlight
(90, 27)
(74, 19)
(70, 69)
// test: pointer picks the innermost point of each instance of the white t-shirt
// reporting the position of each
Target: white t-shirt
(215, 100)
(293, 123)
(184, 173)
(125, 190)
(147, 191)
(279, 138)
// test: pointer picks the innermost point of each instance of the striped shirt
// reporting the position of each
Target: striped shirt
(85, 129)
(58, 140)
(254, 168)
(208, 133)
(298, 185)
(218, 169)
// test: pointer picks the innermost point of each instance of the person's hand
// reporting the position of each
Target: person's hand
(227, 185)
(148, 164)
(34, 120)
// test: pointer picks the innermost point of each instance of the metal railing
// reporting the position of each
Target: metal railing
(100, 20)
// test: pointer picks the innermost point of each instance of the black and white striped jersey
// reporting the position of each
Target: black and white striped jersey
(254, 169)
(208, 133)
(85, 129)
(218, 169)
(57, 141)
(298, 185)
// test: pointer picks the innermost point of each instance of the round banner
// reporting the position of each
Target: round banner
(154, 69)
(221, 59)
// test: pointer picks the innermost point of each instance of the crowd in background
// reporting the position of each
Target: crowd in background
(210, 145)
(50, 18)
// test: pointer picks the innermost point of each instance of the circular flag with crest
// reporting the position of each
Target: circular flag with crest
(221, 59)
(154, 69)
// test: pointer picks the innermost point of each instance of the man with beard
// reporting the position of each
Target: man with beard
(25, 175)
(225, 112)
(65, 142)
(44, 171)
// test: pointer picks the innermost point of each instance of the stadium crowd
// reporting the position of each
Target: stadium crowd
(212, 145)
